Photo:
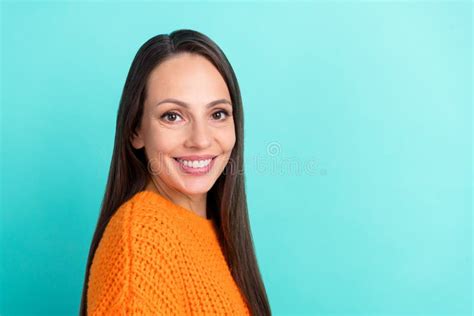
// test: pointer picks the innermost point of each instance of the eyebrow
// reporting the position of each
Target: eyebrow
(186, 105)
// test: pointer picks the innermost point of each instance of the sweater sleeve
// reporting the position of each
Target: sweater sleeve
(118, 281)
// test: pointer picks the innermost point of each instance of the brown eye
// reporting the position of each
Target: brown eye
(171, 116)
(218, 115)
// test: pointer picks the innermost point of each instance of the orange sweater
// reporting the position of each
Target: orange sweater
(158, 258)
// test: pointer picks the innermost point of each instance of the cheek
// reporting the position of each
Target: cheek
(227, 139)
(160, 141)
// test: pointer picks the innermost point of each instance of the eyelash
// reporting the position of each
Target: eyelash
(172, 112)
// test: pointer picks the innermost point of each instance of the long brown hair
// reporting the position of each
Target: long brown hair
(129, 174)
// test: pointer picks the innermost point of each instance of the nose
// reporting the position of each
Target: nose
(199, 136)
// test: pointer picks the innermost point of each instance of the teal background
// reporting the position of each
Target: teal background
(358, 146)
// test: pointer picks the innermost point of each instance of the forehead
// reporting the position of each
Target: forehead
(189, 77)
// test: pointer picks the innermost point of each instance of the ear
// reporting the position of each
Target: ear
(137, 140)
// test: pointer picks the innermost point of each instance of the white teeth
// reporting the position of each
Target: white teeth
(195, 163)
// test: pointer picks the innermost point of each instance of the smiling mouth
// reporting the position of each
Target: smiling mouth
(178, 159)
(195, 167)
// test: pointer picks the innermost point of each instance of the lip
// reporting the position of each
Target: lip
(196, 157)
(196, 171)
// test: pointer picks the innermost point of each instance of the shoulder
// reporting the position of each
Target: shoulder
(144, 219)
(137, 235)
(136, 224)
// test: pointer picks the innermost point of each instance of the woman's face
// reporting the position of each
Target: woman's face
(188, 142)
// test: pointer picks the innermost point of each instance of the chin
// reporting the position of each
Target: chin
(195, 186)
(193, 191)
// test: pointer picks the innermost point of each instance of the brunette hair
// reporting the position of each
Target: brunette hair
(129, 174)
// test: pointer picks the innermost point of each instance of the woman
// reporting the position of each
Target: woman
(173, 235)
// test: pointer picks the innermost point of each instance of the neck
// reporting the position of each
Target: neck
(195, 203)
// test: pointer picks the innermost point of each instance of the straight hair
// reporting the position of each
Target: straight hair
(129, 174)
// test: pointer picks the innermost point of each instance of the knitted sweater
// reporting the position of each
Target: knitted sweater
(158, 258)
